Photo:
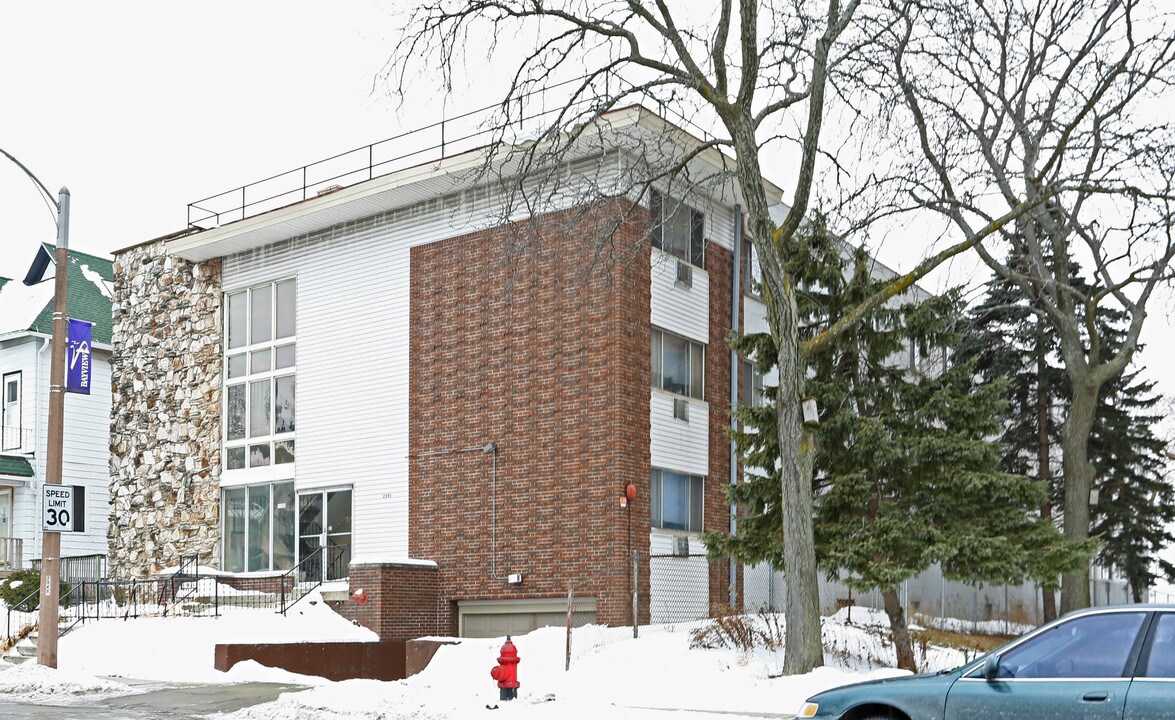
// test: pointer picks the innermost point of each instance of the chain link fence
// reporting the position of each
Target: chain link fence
(675, 592)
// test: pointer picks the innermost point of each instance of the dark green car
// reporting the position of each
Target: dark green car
(1096, 664)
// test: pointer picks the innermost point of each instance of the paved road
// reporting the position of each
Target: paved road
(160, 702)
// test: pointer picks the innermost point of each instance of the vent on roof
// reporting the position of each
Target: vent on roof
(329, 189)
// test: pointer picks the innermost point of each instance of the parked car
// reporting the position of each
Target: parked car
(1110, 662)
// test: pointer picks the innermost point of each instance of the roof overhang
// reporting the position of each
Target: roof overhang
(439, 178)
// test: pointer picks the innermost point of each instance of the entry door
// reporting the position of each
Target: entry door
(5, 527)
(324, 521)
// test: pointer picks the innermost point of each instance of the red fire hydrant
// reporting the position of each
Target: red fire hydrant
(506, 673)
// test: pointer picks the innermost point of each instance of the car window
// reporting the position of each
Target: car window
(1085, 647)
(1161, 663)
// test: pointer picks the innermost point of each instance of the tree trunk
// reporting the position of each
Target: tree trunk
(1044, 467)
(901, 632)
(1078, 483)
(803, 648)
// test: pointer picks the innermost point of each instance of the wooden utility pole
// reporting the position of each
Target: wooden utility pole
(51, 540)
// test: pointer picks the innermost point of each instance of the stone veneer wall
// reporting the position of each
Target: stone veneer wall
(165, 411)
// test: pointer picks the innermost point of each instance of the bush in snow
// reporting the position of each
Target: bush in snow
(729, 629)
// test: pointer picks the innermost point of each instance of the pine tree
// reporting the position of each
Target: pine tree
(1136, 503)
(905, 473)
(1004, 340)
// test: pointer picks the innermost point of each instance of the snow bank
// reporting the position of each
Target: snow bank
(183, 648)
(34, 683)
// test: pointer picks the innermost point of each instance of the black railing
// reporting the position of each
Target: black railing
(78, 568)
(436, 141)
(324, 564)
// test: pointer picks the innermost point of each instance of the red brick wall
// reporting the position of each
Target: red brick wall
(401, 600)
(521, 340)
(719, 265)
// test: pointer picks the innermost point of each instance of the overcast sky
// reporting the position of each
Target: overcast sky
(143, 107)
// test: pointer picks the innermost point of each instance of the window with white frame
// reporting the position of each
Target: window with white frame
(678, 364)
(752, 271)
(259, 387)
(258, 527)
(10, 429)
(675, 500)
(750, 382)
(678, 229)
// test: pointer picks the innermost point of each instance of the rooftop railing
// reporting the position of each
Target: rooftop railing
(530, 112)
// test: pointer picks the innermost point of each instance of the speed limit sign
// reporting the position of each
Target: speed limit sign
(64, 508)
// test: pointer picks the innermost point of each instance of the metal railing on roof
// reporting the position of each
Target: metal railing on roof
(433, 142)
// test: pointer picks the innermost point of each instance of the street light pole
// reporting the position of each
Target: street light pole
(51, 541)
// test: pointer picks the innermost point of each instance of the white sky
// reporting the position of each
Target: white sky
(142, 107)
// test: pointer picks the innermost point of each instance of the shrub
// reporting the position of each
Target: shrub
(16, 589)
(18, 586)
(730, 629)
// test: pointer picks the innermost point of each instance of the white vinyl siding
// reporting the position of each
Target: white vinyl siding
(353, 333)
(85, 452)
(676, 307)
(676, 444)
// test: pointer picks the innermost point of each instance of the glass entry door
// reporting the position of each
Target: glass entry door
(324, 534)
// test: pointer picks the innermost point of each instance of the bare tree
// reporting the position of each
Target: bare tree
(1049, 104)
(754, 69)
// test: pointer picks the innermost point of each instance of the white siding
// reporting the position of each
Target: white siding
(352, 369)
(676, 444)
(85, 454)
(720, 224)
(680, 309)
(754, 316)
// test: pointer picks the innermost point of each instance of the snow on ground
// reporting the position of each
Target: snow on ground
(629, 679)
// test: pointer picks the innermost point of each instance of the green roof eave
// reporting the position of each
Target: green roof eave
(15, 466)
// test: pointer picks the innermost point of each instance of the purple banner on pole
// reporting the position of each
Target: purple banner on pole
(78, 367)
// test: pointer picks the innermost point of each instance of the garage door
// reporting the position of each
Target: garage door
(498, 619)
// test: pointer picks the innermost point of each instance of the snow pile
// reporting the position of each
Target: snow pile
(35, 683)
(611, 673)
(183, 648)
(623, 679)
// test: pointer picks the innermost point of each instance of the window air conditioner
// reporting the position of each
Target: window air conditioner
(681, 409)
(685, 274)
(680, 545)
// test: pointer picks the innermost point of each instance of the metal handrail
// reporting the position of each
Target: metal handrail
(290, 577)
(22, 601)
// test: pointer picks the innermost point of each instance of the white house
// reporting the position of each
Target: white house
(26, 318)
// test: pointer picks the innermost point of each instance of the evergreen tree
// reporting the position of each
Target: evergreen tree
(1004, 341)
(905, 474)
(1136, 503)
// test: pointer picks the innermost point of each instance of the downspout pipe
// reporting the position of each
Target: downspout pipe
(735, 297)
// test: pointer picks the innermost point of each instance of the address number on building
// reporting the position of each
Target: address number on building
(64, 508)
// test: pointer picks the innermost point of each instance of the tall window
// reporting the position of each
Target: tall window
(675, 500)
(259, 408)
(750, 382)
(10, 431)
(677, 364)
(258, 526)
(677, 228)
(752, 271)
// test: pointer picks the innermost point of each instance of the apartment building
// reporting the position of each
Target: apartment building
(388, 385)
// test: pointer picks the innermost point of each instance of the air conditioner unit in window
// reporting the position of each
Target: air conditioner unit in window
(680, 545)
(681, 409)
(685, 274)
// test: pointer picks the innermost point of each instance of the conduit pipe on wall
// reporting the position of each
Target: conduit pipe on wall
(735, 297)
(490, 448)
